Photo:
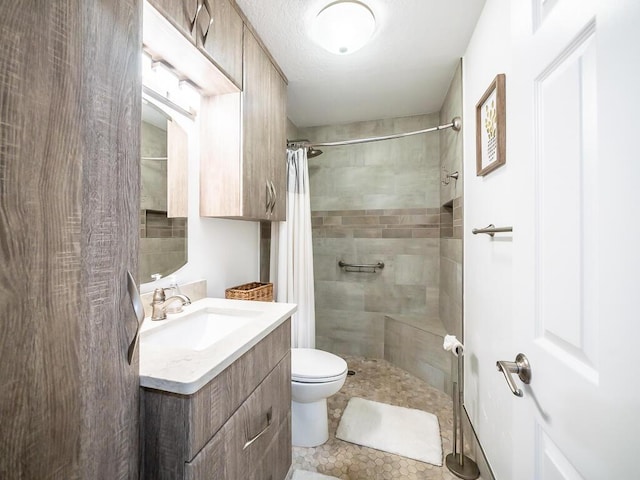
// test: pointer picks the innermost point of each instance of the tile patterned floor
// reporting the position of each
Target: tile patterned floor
(380, 381)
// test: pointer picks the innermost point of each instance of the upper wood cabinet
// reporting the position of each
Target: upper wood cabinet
(219, 35)
(214, 26)
(278, 139)
(242, 175)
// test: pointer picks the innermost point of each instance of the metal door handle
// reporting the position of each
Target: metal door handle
(521, 366)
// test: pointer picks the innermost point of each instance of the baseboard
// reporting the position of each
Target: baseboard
(290, 473)
(477, 451)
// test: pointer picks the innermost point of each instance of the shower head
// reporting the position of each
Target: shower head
(313, 152)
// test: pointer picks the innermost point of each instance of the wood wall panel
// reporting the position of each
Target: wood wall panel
(69, 188)
(220, 156)
(38, 274)
(177, 171)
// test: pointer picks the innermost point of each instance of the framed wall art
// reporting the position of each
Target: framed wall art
(491, 128)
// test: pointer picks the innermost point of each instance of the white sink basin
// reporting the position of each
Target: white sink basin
(184, 352)
(200, 329)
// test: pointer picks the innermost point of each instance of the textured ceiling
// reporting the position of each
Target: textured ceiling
(404, 70)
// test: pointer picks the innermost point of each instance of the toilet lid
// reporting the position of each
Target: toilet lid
(316, 366)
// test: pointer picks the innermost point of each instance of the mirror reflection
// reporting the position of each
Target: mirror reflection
(163, 222)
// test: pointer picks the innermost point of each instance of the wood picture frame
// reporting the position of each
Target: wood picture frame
(491, 126)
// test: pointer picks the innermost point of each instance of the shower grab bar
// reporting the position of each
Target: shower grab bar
(491, 229)
(360, 266)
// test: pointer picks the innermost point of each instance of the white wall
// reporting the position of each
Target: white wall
(488, 262)
(225, 253)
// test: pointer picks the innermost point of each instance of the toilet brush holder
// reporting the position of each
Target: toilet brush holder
(458, 463)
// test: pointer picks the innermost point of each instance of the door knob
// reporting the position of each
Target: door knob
(521, 366)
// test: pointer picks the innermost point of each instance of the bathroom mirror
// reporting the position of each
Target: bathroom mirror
(163, 193)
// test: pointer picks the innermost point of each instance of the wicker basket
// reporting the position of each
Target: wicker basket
(262, 292)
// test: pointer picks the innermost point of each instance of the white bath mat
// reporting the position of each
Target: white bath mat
(304, 475)
(404, 431)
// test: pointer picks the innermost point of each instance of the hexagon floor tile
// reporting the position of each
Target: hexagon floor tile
(380, 381)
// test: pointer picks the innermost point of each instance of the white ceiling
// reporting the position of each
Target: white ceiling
(405, 69)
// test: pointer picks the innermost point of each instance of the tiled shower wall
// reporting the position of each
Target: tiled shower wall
(379, 202)
(451, 198)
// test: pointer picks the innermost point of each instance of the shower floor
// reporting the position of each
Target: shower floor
(380, 381)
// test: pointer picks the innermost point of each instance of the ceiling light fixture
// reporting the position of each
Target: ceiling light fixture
(343, 27)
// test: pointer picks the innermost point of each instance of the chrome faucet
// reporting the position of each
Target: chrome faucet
(159, 304)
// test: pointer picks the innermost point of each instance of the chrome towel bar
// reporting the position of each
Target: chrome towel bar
(373, 267)
(491, 229)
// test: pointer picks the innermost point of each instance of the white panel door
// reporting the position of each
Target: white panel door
(573, 100)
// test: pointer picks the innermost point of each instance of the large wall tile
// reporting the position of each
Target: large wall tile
(339, 295)
(395, 173)
(348, 332)
(418, 351)
(411, 270)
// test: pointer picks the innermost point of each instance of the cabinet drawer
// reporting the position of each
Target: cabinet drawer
(212, 405)
(242, 443)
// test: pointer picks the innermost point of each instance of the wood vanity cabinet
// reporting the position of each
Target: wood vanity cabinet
(214, 26)
(238, 426)
(243, 163)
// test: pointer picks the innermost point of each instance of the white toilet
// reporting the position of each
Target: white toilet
(315, 376)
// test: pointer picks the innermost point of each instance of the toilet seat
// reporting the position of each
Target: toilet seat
(309, 365)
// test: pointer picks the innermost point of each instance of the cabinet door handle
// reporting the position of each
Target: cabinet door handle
(195, 17)
(275, 196)
(269, 197)
(263, 431)
(136, 303)
(205, 4)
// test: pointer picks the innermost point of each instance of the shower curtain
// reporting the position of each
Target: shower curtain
(292, 252)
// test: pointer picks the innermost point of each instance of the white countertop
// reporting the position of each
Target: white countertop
(185, 371)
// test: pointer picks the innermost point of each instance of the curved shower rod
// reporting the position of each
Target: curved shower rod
(456, 124)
